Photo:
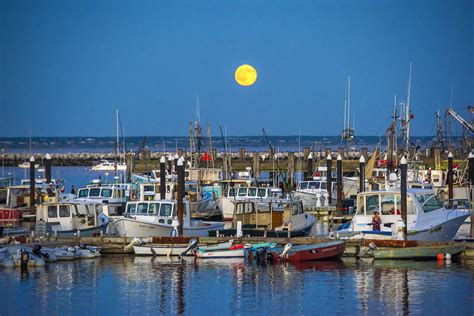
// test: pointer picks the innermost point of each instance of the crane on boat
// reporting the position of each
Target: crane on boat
(467, 125)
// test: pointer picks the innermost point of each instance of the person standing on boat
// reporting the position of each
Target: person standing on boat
(73, 190)
(376, 222)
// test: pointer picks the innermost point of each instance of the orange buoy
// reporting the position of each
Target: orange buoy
(440, 256)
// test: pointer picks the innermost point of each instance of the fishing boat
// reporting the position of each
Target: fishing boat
(270, 218)
(158, 218)
(300, 253)
(427, 218)
(240, 191)
(69, 219)
(115, 196)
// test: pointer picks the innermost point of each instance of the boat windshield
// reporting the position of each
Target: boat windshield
(242, 191)
(262, 192)
(83, 193)
(106, 193)
(94, 192)
(166, 209)
(313, 185)
(232, 192)
(324, 185)
(429, 202)
(252, 191)
(142, 208)
(131, 208)
(303, 185)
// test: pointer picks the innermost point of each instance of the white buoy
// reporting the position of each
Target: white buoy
(447, 256)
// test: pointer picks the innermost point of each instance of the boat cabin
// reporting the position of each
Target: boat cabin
(269, 215)
(165, 210)
(255, 192)
(420, 203)
(69, 216)
(315, 185)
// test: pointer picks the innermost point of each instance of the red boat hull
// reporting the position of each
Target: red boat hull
(316, 252)
(9, 217)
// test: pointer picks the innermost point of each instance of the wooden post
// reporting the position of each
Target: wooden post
(362, 174)
(341, 152)
(305, 152)
(176, 158)
(162, 178)
(309, 167)
(256, 165)
(129, 163)
(403, 192)
(47, 168)
(329, 178)
(471, 183)
(437, 158)
(291, 170)
(242, 153)
(32, 185)
(180, 195)
(340, 191)
(214, 154)
(450, 180)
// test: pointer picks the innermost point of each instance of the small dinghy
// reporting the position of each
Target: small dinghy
(299, 253)
(178, 249)
(237, 251)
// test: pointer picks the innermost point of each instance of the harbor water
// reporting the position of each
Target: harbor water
(116, 285)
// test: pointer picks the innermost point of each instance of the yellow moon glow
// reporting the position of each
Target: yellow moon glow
(245, 75)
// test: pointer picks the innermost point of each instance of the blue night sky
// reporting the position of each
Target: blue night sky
(66, 65)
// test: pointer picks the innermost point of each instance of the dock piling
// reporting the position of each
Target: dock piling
(362, 174)
(309, 168)
(329, 177)
(32, 185)
(450, 180)
(47, 168)
(162, 178)
(403, 193)
(180, 195)
(340, 191)
(471, 191)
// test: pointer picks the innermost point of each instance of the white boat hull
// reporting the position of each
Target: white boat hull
(128, 227)
(160, 250)
(236, 253)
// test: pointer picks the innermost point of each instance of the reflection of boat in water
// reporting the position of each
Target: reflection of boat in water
(320, 265)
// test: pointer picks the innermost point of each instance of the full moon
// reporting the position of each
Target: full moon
(245, 75)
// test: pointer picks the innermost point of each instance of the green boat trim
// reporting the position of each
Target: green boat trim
(418, 252)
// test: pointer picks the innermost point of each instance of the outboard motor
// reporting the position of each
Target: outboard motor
(286, 250)
(193, 243)
(24, 258)
(261, 254)
(37, 251)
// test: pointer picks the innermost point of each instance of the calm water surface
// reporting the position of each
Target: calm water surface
(142, 285)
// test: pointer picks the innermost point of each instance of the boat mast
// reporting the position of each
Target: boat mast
(407, 112)
(348, 103)
(117, 135)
